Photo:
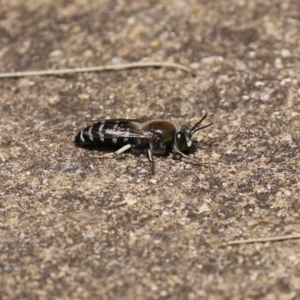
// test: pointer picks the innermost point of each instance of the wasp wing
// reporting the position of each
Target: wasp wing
(118, 128)
(114, 132)
(121, 121)
(129, 133)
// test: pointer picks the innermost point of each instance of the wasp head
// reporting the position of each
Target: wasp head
(183, 137)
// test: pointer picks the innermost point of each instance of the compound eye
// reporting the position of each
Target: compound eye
(181, 141)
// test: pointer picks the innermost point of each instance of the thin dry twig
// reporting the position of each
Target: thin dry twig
(135, 65)
(264, 240)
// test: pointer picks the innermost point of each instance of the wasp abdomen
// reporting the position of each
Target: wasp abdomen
(104, 134)
(85, 137)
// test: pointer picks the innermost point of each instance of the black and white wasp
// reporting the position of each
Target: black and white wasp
(157, 137)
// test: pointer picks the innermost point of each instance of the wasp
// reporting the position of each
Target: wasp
(156, 137)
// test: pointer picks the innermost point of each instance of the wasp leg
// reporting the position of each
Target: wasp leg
(189, 160)
(150, 157)
(119, 151)
(123, 149)
(180, 153)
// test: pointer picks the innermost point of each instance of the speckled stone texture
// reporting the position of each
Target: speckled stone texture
(73, 226)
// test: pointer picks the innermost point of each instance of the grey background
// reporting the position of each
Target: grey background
(73, 226)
